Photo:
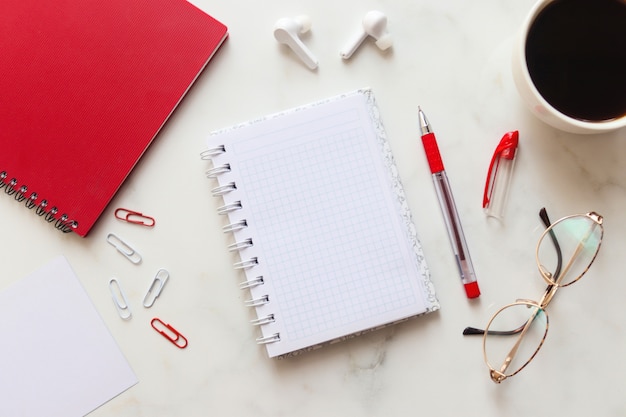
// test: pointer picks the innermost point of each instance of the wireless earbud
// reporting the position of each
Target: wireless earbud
(374, 25)
(287, 31)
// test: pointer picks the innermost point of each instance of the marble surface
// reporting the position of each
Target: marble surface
(453, 59)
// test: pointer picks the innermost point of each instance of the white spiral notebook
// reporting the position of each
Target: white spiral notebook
(320, 221)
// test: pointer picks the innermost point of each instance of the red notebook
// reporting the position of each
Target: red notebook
(85, 86)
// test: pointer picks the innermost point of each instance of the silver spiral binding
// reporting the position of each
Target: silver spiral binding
(225, 209)
(237, 246)
(213, 152)
(246, 264)
(241, 224)
(263, 340)
(263, 320)
(234, 226)
(252, 283)
(63, 223)
(218, 170)
(223, 189)
(255, 302)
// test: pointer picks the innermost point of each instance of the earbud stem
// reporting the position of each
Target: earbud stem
(303, 53)
(286, 31)
(352, 46)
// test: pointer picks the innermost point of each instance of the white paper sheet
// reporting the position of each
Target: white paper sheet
(57, 357)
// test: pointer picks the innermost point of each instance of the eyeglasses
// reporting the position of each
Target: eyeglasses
(516, 332)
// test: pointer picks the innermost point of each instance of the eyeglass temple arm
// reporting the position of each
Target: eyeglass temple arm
(469, 331)
(543, 215)
(515, 348)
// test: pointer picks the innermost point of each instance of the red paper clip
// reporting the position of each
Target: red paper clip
(169, 333)
(134, 217)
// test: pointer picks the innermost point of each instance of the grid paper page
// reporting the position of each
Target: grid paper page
(326, 225)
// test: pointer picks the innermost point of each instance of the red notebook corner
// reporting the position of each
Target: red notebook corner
(85, 87)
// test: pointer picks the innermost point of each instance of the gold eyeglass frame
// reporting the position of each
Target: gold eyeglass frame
(499, 375)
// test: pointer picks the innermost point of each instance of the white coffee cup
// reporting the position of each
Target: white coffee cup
(538, 105)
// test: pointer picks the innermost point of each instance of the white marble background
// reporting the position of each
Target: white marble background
(451, 57)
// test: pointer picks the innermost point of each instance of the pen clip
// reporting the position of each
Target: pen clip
(169, 333)
(506, 149)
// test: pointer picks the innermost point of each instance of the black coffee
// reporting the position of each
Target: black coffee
(576, 55)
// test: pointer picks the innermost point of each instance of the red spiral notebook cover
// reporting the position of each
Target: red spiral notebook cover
(85, 86)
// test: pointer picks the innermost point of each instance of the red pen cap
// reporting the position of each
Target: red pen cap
(499, 174)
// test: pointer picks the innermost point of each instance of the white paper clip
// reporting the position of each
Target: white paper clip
(156, 286)
(124, 248)
(119, 299)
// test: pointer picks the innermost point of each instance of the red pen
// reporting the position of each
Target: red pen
(448, 208)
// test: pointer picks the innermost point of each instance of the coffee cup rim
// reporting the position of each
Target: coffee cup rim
(587, 125)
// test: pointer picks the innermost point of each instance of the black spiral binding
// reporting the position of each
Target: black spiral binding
(62, 223)
(237, 225)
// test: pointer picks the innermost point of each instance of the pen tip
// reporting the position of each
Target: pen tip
(423, 122)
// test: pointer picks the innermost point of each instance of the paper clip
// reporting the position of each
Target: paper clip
(169, 333)
(124, 248)
(119, 299)
(134, 217)
(156, 286)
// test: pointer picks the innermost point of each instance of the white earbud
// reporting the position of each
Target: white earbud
(287, 30)
(374, 25)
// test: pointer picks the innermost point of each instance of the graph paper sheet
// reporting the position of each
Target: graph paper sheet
(332, 236)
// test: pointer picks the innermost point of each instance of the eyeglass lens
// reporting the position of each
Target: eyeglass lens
(509, 354)
(579, 241)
